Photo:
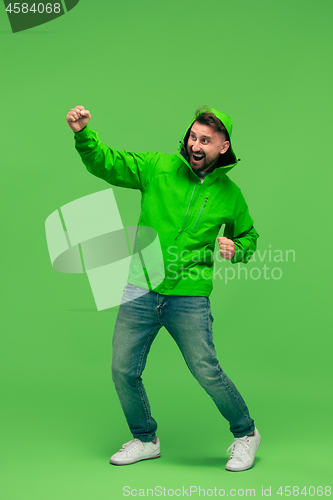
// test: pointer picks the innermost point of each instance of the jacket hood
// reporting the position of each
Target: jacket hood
(226, 161)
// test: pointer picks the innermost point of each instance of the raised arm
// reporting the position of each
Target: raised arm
(120, 168)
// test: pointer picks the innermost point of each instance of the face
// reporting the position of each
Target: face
(204, 147)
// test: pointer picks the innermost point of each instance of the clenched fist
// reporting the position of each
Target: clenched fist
(78, 118)
(227, 248)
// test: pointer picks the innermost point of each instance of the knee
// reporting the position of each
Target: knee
(118, 370)
(123, 373)
(207, 374)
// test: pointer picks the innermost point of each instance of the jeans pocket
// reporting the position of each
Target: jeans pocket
(209, 310)
(132, 292)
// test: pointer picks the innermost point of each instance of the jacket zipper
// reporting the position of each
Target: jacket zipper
(188, 208)
(201, 212)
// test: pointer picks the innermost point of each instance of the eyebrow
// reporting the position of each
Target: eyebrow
(203, 136)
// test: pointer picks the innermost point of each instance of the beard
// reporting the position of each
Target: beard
(199, 162)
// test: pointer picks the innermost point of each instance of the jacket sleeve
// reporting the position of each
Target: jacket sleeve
(120, 168)
(242, 232)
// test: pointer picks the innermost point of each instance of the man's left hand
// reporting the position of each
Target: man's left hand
(227, 248)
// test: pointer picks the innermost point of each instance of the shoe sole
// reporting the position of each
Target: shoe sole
(247, 467)
(134, 461)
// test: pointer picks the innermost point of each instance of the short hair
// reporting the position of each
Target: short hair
(206, 117)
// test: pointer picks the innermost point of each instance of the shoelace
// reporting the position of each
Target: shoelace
(134, 443)
(237, 448)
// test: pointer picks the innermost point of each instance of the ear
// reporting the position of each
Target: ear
(224, 148)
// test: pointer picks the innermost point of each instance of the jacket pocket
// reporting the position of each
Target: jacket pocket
(200, 215)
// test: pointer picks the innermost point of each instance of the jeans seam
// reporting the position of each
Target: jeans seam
(149, 342)
(230, 390)
(210, 327)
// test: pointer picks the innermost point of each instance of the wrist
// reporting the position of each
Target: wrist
(78, 131)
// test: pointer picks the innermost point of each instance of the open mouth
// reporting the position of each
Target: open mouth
(197, 157)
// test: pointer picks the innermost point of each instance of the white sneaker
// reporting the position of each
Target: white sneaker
(242, 452)
(136, 450)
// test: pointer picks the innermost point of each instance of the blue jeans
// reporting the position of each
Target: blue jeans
(189, 322)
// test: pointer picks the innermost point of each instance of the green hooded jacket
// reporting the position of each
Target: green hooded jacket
(186, 213)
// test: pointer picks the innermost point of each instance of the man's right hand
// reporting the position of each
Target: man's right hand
(78, 118)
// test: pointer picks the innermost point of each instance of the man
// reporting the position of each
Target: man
(186, 197)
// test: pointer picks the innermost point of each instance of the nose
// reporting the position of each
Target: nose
(195, 145)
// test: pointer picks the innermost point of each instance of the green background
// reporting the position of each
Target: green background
(142, 68)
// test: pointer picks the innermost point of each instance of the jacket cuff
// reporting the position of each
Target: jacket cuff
(83, 134)
(239, 255)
